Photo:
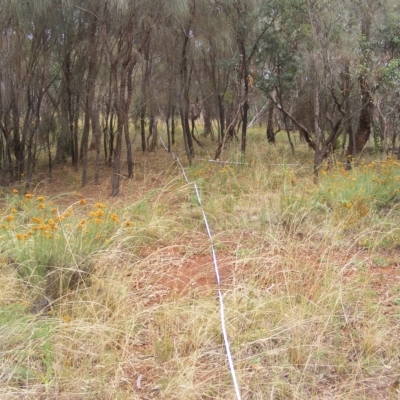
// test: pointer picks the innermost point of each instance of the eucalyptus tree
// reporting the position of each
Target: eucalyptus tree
(332, 72)
(217, 61)
(70, 60)
(26, 75)
(188, 20)
(279, 66)
(359, 138)
(248, 22)
(124, 38)
(93, 56)
(386, 96)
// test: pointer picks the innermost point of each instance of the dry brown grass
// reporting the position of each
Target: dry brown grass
(311, 313)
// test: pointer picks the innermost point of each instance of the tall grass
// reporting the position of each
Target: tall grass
(309, 281)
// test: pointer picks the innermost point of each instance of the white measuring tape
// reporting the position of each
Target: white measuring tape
(216, 269)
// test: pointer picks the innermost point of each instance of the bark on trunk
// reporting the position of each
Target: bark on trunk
(365, 120)
(270, 123)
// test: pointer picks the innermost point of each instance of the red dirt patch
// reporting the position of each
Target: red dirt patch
(182, 273)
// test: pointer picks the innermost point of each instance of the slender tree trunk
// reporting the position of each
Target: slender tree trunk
(173, 126)
(366, 114)
(111, 138)
(117, 160)
(89, 99)
(97, 140)
(318, 156)
(168, 134)
(120, 132)
(85, 146)
(221, 110)
(244, 77)
(346, 93)
(129, 158)
(129, 93)
(185, 82)
(75, 132)
(143, 128)
(270, 123)
(145, 96)
(50, 166)
(207, 131)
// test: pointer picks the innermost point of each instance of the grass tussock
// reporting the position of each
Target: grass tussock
(118, 301)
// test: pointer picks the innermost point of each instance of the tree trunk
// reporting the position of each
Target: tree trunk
(244, 78)
(85, 144)
(318, 156)
(365, 120)
(207, 131)
(173, 126)
(89, 99)
(74, 133)
(117, 160)
(184, 95)
(270, 123)
(357, 143)
(143, 128)
(97, 141)
(168, 134)
(128, 142)
(221, 110)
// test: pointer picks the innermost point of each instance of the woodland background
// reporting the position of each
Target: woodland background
(80, 75)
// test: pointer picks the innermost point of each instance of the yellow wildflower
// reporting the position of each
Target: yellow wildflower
(67, 212)
(15, 190)
(82, 202)
(52, 224)
(14, 211)
(100, 205)
(99, 213)
(114, 217)
(40, 198)
(21, 236)
(9, 218)
(28, 195)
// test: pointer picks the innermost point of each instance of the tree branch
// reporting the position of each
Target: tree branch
(302, 128)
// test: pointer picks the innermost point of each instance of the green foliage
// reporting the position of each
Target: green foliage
(40, 238)
(390, 74)
(375, 183)
(31, 362)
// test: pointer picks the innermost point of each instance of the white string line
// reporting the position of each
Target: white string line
(217, 274)
(241, 163)
(220, 162)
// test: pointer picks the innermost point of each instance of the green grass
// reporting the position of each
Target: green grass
(310, 310)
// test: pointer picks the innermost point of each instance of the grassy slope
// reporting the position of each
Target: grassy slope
(310, 280)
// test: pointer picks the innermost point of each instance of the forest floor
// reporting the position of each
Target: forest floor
(116, 298)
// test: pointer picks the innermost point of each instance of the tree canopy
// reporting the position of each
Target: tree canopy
(76, 75)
